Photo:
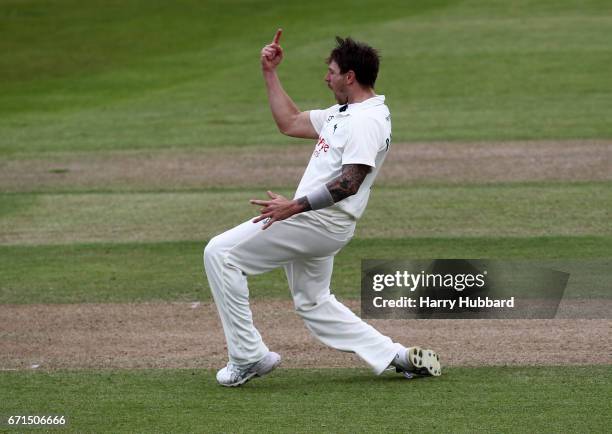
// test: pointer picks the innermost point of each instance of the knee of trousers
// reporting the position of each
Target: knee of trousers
(221, 273)
(305, 307)
(213, 253)
(218, 252)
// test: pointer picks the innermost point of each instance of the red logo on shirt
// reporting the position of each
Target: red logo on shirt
(321, 146)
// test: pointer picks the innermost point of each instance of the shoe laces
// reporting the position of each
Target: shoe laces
(232, 369)
(237, 370)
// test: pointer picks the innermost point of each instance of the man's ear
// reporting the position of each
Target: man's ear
(350, 77)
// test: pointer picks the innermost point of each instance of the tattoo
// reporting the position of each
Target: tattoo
(303, 201)
(348, 183)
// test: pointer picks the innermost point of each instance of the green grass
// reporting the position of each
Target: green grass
(493, 399)
(149, 75)
(513, 210)
(173, 271)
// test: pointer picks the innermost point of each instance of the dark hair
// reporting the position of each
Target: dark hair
(358, 57)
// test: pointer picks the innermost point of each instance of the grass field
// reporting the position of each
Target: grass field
(415, 212)
(135, 75)
(539, 399)
(172, 271)
(125, 86)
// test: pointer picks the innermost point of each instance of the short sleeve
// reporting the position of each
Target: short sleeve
(317, 119)
(364, 142)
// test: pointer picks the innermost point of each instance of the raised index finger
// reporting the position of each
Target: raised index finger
(279, 32)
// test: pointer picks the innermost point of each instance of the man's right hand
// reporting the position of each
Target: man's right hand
(272, 54)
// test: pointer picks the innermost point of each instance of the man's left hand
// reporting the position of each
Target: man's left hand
(276, 209)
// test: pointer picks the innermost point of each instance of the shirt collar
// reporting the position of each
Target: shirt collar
(370, 102)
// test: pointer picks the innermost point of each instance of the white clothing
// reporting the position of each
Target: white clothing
(355, 134)
(305, 244)
(305, 248)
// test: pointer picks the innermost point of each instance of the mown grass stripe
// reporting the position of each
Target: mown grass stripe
(288, 190)
(511, 211)
(498, 399)
(173, 271)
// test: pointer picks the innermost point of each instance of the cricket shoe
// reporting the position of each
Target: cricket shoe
(233, 375)
(421, 362)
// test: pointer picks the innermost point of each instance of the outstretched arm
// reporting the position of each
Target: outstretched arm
(339, 188)
(289, 119)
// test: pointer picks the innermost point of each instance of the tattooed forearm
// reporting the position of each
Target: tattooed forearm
(348, 183)
(303, 202)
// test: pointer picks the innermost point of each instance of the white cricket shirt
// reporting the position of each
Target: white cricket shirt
(358, 133)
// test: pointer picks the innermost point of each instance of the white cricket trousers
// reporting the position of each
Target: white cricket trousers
(305, 248)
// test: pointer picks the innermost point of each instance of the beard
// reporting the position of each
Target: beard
(341, 99)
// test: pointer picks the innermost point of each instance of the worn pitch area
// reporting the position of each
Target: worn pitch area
(188, 335)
